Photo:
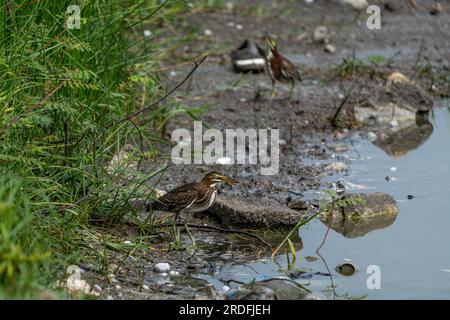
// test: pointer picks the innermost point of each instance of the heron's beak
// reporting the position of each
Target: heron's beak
(229, 181)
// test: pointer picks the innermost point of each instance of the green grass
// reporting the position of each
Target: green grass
(61, 91)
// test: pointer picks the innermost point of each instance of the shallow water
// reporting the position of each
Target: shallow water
(412, 253)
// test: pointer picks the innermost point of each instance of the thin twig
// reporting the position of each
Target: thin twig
(343, 102)
(197, 64)
(323, 259)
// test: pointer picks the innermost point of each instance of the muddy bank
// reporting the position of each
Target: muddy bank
(408, 40)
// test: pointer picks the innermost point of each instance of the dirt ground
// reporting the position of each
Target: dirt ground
(410, 39)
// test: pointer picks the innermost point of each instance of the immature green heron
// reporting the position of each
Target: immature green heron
(279, 67)
(191, 197)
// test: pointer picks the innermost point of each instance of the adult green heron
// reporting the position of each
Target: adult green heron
(191, 197)
(279, 67)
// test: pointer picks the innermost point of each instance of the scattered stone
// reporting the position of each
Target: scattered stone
(239, 27)
(109, 298)
(98, 288)
(224, 160)
(389, 178)
(340, 147)
(393, 124)
(393, 169)
(174, 273)
(118, 287)
(347, 268)
(336, 167)
(330, 48)
(145, 287)
(371, 136)
(147, 33)
(320, 35)
(128, 242)
(161, 267)
(357, 4)
(410, 197)
(208, 32)
(164, 274)
(302, 36)
(74, 283)
(436, 8)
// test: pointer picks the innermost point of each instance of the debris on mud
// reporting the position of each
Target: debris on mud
(400, 99)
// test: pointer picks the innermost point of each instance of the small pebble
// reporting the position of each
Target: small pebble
(164, 274)
(320, 34)
(330, 49)
(436, 8)
(208, 33)
(393, 169)
(336, 166)
(393, 124)
(162, 267)
(174, 273)
(98, 288)
(239, 27)
(127, 242)
(224, 160)
(231, 24)
(109, 298)
(147, 33)
(118, 287)
(410, 197)
(145, 287)
(371, 136)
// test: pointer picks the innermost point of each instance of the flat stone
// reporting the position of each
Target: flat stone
(254, 212)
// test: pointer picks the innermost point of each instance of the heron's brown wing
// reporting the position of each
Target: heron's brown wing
(176, 199)
(289, 70)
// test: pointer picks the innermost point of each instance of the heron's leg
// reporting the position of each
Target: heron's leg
(292, 90)
(272, 96)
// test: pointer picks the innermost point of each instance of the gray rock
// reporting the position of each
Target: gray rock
(320, 35)
(271, 289)
(361, 213)
(254, 212)
(161, 267)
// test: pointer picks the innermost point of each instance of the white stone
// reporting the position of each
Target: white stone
(393, 169)
(208, 33)
(224, 160)
(357, 4)
(162, 267)
(147, 33)
(336, 166)
(371, 136)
